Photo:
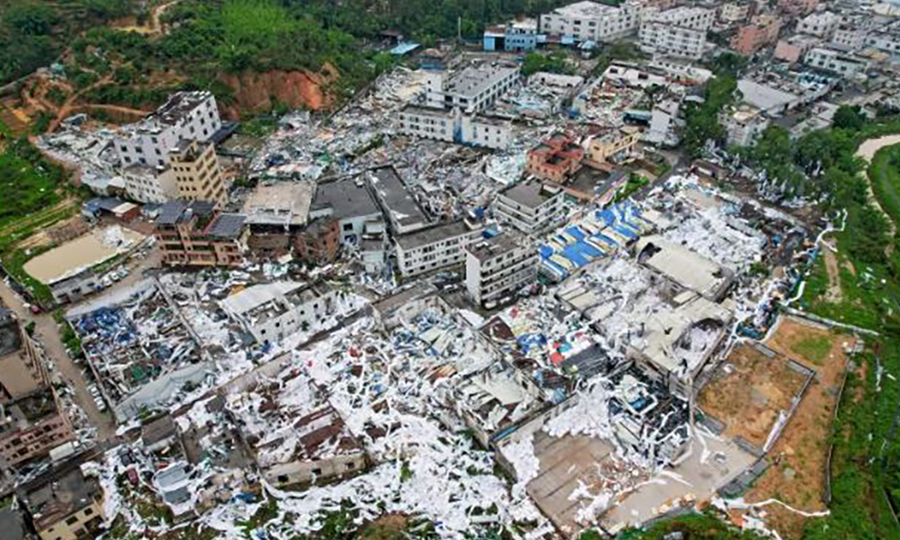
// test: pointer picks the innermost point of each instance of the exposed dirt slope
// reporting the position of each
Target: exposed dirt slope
(258, 91)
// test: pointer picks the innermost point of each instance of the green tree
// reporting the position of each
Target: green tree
(849, 117)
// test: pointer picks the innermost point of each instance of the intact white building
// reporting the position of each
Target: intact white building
(835, 61)
(590, 21)
(664, 38)
(473, 89)
(452, 126)
(821, 24)
(851, 37)
(886, 40)
(530, 206)
(436, 247)
(678, 32)
(499, 267)
(273, 311)
(186, 115)
(427, 122)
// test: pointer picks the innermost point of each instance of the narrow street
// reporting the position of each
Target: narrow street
(47, 332)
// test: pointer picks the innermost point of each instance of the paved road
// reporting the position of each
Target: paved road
(47, 331)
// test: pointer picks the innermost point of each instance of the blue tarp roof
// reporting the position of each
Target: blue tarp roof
(404, 48)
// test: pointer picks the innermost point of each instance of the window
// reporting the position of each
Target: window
(282, 479)
(317, 472)
(348, 227)
(88, 511)
(72, 520)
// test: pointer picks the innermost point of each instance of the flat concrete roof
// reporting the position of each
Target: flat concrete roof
(282, 203)
(432, 234)
(84, 252)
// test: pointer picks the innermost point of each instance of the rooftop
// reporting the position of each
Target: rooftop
(398, 202)
(492, 247)
(472, 81)
(764, 97)
(435, 233)
(282, 203)
(531, 193)
(175, 212)
(585, 9)
(59, 493)
(345, 198)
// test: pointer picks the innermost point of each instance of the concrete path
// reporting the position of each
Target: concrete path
(867, 151)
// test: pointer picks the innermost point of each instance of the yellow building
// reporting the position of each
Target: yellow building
(613, 144)
(198, 175)
(64, 503)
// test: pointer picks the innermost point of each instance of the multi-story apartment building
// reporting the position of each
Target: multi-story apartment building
(849, 36)
(22, 370)
(31, 426)
(678, 32)
(835, 61)
(821, 25)
(272, 311)
(451, 126)
(186, 115)
(530, 206)
(195, 234)
(439, 246)
(886, 40)
(761, 32)
(427, 122)
(197, 172)
(556, 158)
(590, 21)
(615, 143)
(733, 12)
(498, 267)
(744, 125)
(64, 503)
(472, 89)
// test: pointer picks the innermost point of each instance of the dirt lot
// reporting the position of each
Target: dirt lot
(749, 391)
(797, 474)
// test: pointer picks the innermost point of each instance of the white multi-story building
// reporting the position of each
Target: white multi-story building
(744, 125)
(835, 61)
(886, 40)
(821, 24)
(452, 126)
(530, 206)
(472, 90)
(851, 37)
(427, 122)
(186, 115)
(436, 247)
(678, 32)
(590, 21)
(695, 18)
(499, 267)
(273, 311)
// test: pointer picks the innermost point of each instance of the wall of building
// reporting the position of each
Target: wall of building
(77, 525)
(305, 472)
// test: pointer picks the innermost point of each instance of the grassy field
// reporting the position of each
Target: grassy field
(25, 189)
(884, 173)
